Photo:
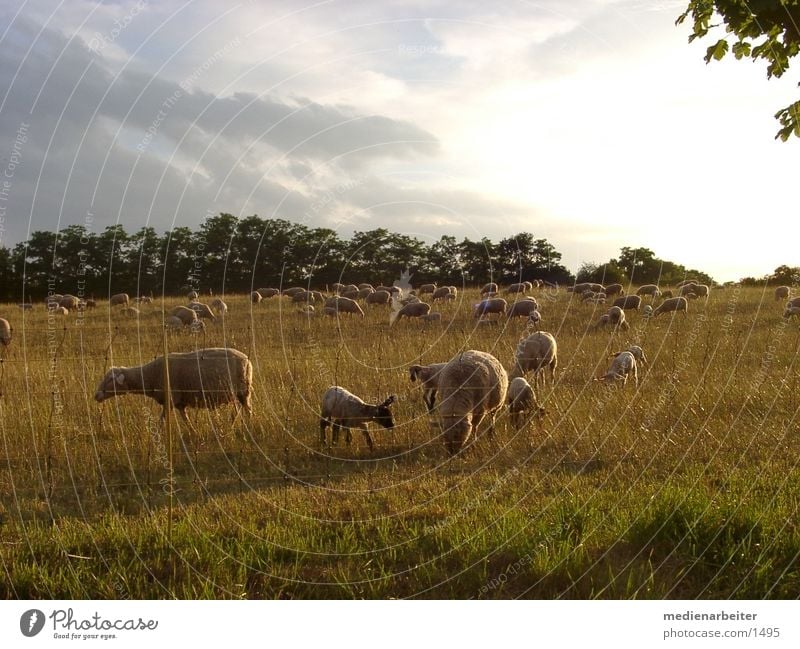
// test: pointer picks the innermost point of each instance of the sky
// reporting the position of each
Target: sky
(591, 123)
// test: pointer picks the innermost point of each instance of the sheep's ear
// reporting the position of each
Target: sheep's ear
(412, 371)
(390, 400)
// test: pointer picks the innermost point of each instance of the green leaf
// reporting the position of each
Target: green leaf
(717, 51)
(741, 49)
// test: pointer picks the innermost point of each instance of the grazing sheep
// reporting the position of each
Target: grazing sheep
(601, 322)
(389, 289)
(205, 378)
(255, 297)
(202, 310)
(519, 287)
(413, 310)
(442, 293)
(349, 294)
(782, 293)
(672, 304)
(219, 306)
(268, 292)
(615, 289)
(426, 288)
(378, 297)
(632, 302)
(120, 298)
(290, 292)
(638, 354)
(491, 287)
(687, 288)
(649, 289)
(647, 311)
(329, 311)
(791, 311)
(336, 287)
(623, 364)
(522, 309)
(25, 306)
(343, 409)
(472, 386)
(428, 376)
(69, 302)
(795, 301)
(533, 354)
(51, 301)
(186, 315)
(364, 293)
(534, 319)
(192, 296)
(344, 305)
(521, 399)
(365, 285)
(5, 332)
(594, 298)
(701, 290)
(173, 323)
(616, 317)
(492, 305)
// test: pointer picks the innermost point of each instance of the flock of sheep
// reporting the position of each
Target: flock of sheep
(472, 387)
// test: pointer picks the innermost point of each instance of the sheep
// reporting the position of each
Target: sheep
(202, 310)
(522, 309)
(205, 378)
(601, 322)
(413, 310)
(365, 285)
(343, 409)
(534, 319)
(626, 302)
(343, 305)
(307, 310)
(142, 299)
(491, 287)
(433, 316)
(782, 293)
(687, 288)
(186, 315)
(426, 288)
(389, 289)
(795, 301)
(290, 292)
(672, 304)
(51, 301)
(411, 299)
(364, 293)
(119, 299)
(173, 323)
(69, 302)
(336, 287)
(519, 287)
(441, 293)
(649, 289)
(266, 293)
(690, 295)
(791, 311)
(128, 312)
(616, 316)
(521, 399)
(472, 386)
(350, 294)
(534, 353)
(197, 327)
(219, 306)
(623, 364)
(60, 310)
(378, 297)
(647, 311)
(638, 354)
(5, 332)
(255, 297)
(192, 296)
(615, 289)
(492, 305)
(701, 290)
(428, 376)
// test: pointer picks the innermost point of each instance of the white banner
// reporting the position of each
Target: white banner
(399, 624)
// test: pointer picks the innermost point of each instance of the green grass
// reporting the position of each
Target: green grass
(684, 488)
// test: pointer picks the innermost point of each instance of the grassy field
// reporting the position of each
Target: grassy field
(687, 487)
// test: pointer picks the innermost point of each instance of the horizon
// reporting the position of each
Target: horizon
(594, 126)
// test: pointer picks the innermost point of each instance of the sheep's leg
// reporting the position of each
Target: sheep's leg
(323, 424)
(189, 425)
(367, 438)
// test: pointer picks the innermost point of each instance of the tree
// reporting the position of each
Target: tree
(760, 29)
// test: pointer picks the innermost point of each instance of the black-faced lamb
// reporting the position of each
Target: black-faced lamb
(428, 376)
(521, 399)
(623, 364)
(343, 409)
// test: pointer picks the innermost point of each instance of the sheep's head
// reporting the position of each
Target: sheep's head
(383, 415)
(111, 384)
(456, 430)
(414, 371)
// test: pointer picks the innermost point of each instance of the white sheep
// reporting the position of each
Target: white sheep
(672, 304)
(649, 289)
(472, 386)
(202, 310)
(187, 315)
(205, 378)
(534, 319)
(343, 409)
(638, 354)
(623, 364)
(428, 376)
(119, 298)
(782, 293)
(219, 306)
(533, 354)
(521, 399)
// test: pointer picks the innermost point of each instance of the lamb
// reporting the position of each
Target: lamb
(472, 386)
(492, 305)
(428, 376)
(521, 399)
(344, 305)
(491, 287)
(672, 304)
(413, 310)
(426, 288)
(343, 409)
(120, 298)
(186, 315)
(638, 354)
(378, 297)
(255, 297)
(266, 293)
(441, 293)
(616, 316)
(623, 364)
(5, 332)
(632, 302)
(523, 308)
(534, 353)
(202, 310)
(205, 378)
(649, 289)
(615, 289)
(219, 306)
(782, 293)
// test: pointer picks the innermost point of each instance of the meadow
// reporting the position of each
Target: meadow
(687, 486)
